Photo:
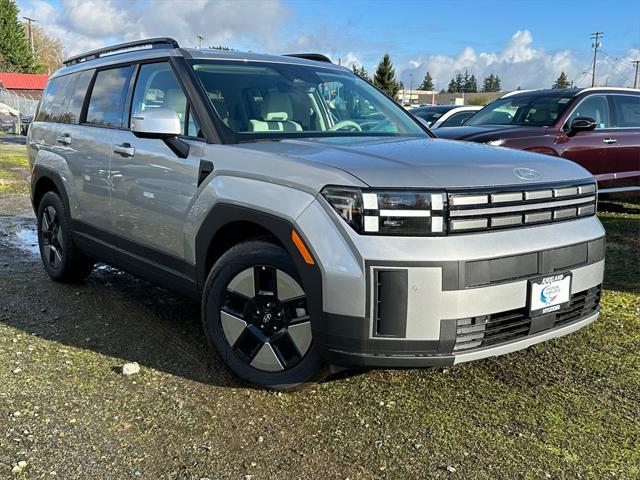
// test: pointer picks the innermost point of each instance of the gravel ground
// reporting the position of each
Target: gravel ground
(568, 408)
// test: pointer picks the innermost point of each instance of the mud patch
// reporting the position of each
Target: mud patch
(20, 234)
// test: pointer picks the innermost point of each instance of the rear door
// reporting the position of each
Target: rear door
(627, 109)
(88, 147)
(595, 150)
(153, 189)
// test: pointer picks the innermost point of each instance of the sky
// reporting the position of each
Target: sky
(527, 43)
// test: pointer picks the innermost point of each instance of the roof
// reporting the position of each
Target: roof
(568, 92)
(23, 81)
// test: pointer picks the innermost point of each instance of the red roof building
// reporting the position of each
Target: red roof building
(25, 84)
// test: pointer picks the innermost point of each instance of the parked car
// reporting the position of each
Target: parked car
(7, 123)
(25, 121)
(599, 128)
(313, 232)
(441, 116)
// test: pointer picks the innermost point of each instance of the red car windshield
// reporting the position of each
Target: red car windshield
(529, 110)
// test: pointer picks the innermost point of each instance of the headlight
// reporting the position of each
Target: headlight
(497, 143)
(389, 212)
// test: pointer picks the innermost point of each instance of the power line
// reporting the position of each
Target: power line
(623, 75)
(595, 36)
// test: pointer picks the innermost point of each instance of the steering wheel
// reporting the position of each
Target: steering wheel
(352, 126)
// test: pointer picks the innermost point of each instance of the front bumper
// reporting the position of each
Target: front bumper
(441, 288)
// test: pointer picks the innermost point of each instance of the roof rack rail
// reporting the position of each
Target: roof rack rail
(160, 42)
(318, 57)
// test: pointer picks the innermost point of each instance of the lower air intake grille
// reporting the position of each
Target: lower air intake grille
(504, 327)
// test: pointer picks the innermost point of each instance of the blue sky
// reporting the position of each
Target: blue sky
(527, 42)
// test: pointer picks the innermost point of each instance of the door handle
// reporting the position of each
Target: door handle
(126, 150)
(609, 141)
(64, 139)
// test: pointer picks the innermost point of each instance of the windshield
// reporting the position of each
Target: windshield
(429, 116)
(257, 99)
(531, 110)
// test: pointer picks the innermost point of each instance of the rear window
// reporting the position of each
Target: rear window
(63, 98)
(106, 107)
(628, 108)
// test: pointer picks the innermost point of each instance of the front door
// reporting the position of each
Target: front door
(594, 150)
(627, 108)
(153, 190)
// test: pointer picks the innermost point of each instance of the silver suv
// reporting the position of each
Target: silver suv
(317, 222)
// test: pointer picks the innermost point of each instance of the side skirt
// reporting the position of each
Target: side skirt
(166, 270)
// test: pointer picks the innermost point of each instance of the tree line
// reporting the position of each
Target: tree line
(16, 54)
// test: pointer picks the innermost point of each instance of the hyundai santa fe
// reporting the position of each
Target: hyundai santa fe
(317, 222)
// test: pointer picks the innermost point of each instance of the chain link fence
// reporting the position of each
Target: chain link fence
(25, 105)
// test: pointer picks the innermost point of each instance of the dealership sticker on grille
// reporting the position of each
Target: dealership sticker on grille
(549, 294)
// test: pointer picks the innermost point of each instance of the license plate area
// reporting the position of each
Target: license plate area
(549, 293)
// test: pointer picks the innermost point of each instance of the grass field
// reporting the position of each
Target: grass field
(13, 169)
(565, 409)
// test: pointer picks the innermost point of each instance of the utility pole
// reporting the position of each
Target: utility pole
(410, 87)
(29, 21)
(635, 78)
(200, 38)
(595, 36)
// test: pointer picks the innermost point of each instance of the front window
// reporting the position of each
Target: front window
(524, 110)
(256, 99)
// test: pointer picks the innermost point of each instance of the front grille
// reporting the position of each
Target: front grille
(472, 211)
(498, 328)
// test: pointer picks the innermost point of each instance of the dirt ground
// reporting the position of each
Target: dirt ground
(568, 408)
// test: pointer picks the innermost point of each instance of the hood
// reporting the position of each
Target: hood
(486, 133)
(422, 162)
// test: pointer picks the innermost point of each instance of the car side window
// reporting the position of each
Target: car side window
(77, 93)
(63, 98)
(157, 87)
(628, 110)
(456, 119)
(108, 96)
(596, 107)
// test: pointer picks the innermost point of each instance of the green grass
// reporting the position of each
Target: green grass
(13, 169)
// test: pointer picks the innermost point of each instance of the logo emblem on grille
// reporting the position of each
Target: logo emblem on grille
(526, 173)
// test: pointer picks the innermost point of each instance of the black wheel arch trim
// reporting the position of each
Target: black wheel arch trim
(224, 214)
(40, 172)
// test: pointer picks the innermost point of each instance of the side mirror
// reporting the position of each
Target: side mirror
(156, 123)
(581, 124)
(162, 123)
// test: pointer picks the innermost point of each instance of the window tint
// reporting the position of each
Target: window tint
(53, 100)
(108, 96)
(628, 108)
(456, 119)
(158, 87)
(77, 90)
(596, 107)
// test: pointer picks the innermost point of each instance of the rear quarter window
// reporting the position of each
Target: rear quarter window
(63, 98)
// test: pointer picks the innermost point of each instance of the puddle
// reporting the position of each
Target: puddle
(19, 233)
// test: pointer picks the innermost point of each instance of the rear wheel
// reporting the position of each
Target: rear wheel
(255, 314)
(60, 258)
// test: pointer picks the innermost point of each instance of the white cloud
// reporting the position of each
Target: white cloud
(520, 64)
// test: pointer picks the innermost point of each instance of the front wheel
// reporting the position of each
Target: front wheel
(256, 316)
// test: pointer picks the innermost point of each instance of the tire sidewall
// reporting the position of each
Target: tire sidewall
(236, 260)
(51, 199)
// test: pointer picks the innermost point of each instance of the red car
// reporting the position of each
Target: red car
(599, 128)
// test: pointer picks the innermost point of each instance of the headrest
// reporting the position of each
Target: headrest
(277, 107)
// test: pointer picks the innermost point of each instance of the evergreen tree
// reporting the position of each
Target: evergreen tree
(427, 83)
(385, 77)
(491, 83)
(442, 91)
(471, 86)
(562, 81)
(459, 83)
(15, 52)
(361, 72)
(452, 88)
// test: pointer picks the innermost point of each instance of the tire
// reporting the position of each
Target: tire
(254, 315)
(60, 258)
